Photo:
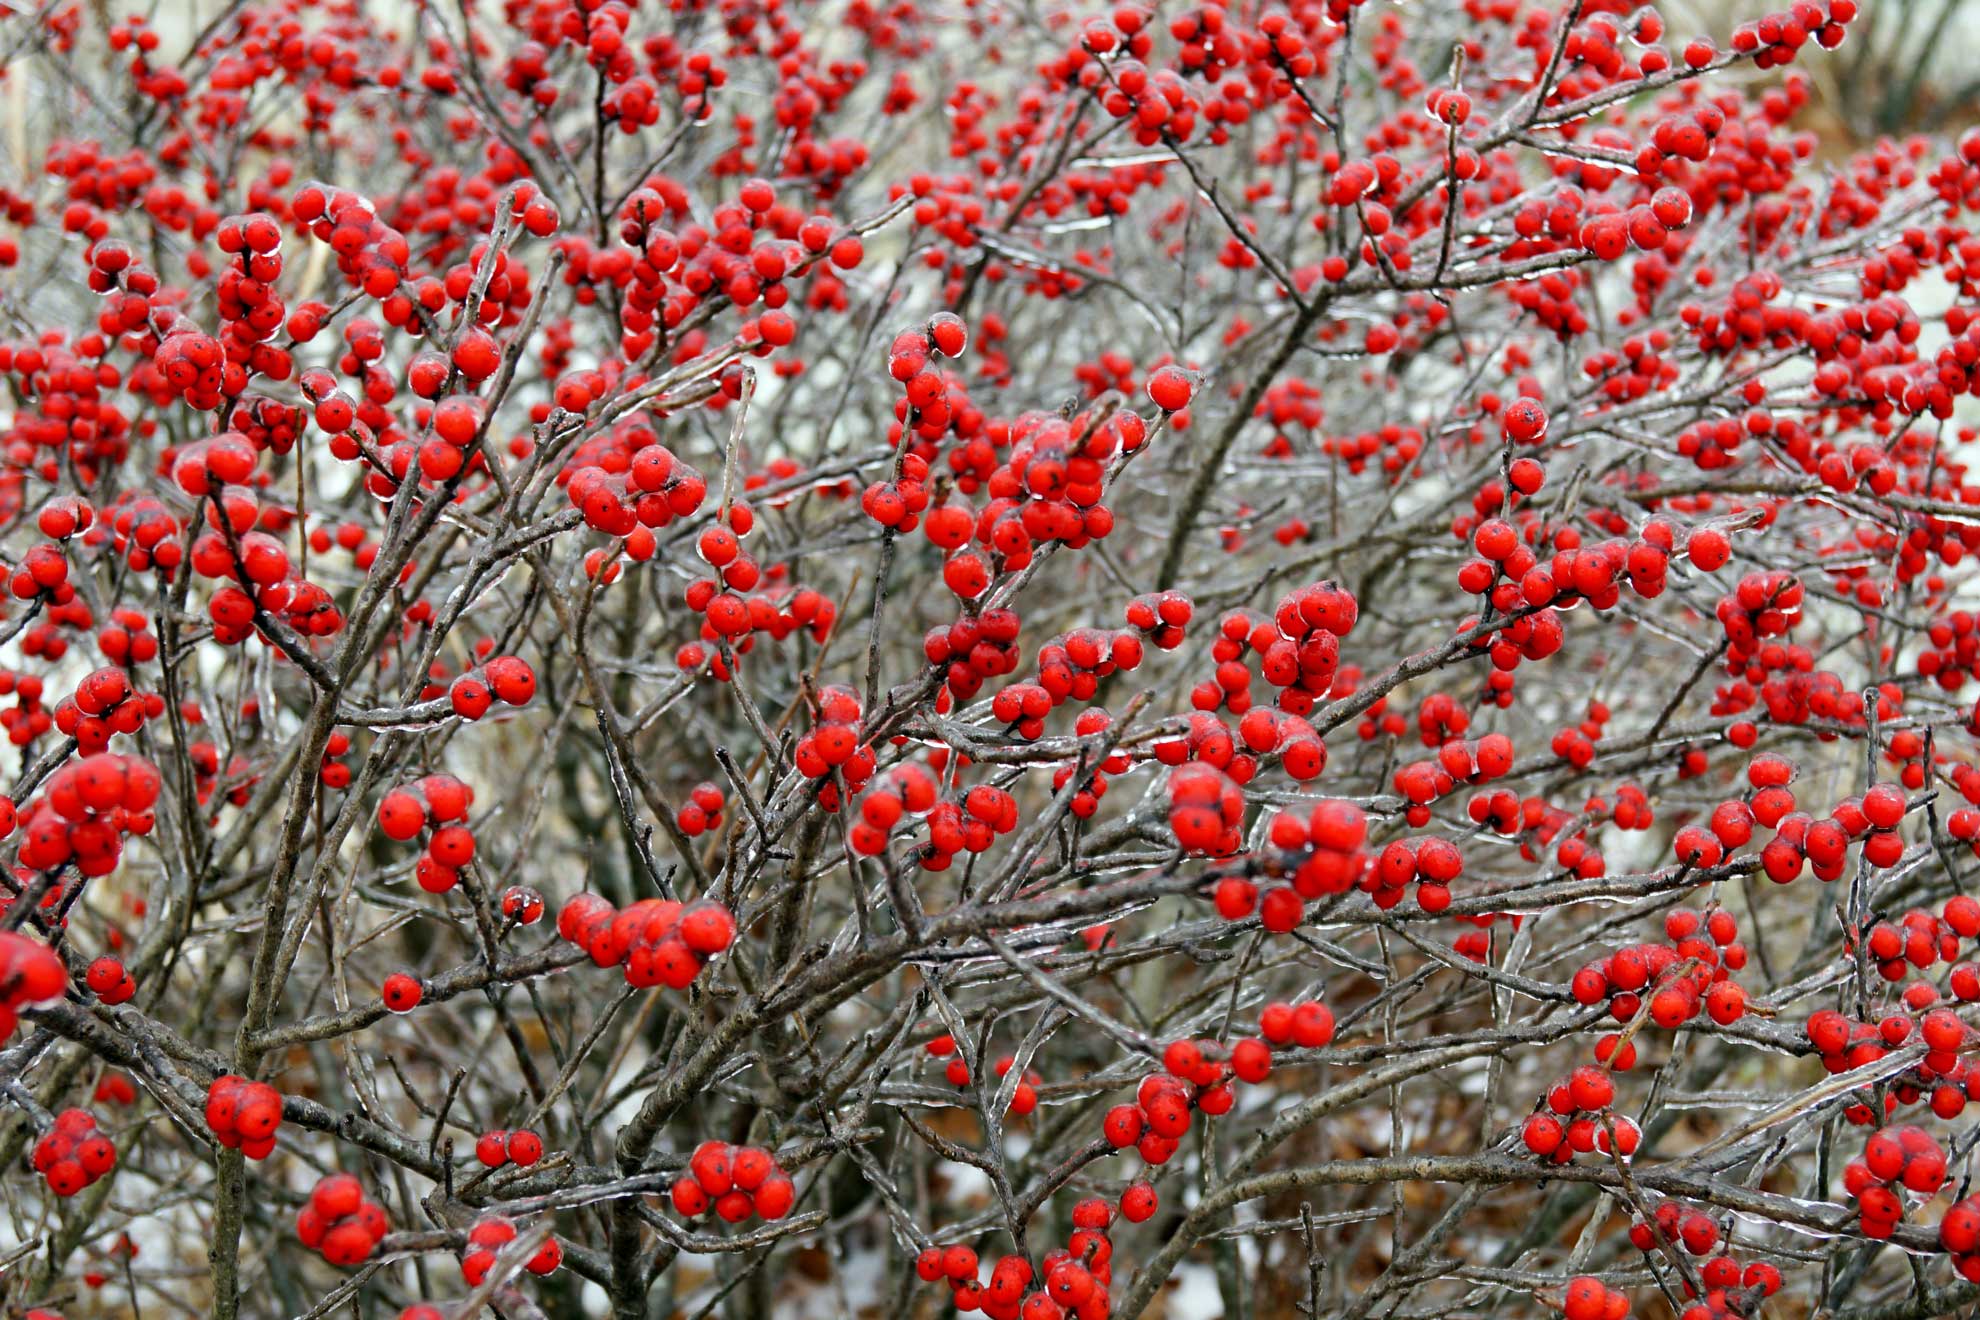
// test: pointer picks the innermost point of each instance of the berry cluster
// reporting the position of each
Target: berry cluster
(439, 803)
(906, 790)
(506, 678)
(109, 981)
(1076, 1276)
(1905, 1156)
(74, 1153)
(1675, 980)
(656, 940)
(972, 825)
(497, 1148)
(89, 807)
(489, 1235)
(105, 705)
(243, 1115)
(832, 749)
(702, 811)
(1196, 1080)
(520, 905)
(1205, 809)
(341, 1222)
(1578, 1120)
(735, 1181)
(627, 485)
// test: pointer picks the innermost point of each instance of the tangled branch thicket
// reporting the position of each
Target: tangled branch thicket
(757, 659)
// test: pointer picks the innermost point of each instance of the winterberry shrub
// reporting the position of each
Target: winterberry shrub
(756, 658)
